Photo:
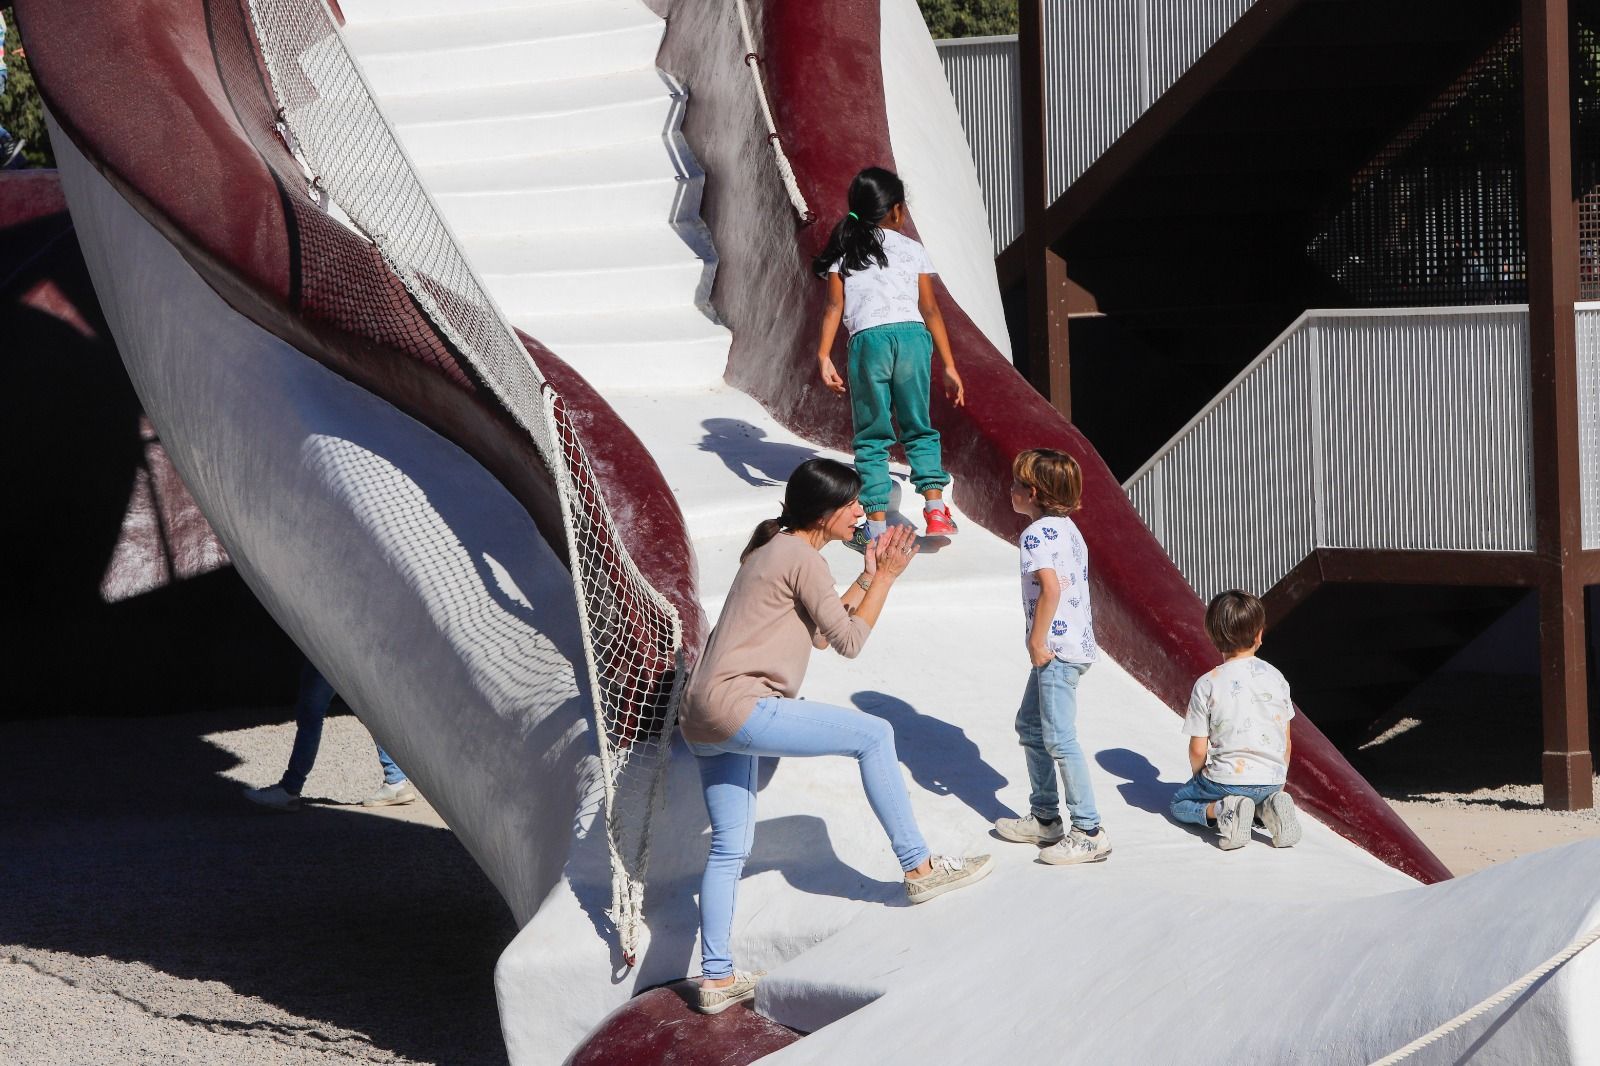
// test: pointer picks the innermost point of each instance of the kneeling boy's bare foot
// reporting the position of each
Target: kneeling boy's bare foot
(947, 874)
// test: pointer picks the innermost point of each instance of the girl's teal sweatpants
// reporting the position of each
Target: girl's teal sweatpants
(891, 375)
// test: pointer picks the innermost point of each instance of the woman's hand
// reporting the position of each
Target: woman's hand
(830, 376)
(894, 551)
(953, 387)
(871, 557)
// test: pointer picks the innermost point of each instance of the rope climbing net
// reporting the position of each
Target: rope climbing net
(632, 636)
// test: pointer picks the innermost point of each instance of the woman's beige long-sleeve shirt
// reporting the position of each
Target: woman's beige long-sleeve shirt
(782, 597)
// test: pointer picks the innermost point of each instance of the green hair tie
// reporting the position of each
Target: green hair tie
(853, 215)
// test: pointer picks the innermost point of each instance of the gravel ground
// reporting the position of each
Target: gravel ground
(151, 915)
(1459, 761)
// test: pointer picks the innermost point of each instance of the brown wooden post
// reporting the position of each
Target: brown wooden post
(1048, 365)
(1552, 241)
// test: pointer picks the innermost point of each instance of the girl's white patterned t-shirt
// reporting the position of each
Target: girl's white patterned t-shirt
(879, 296)
(1244, 707)
(1054, 543)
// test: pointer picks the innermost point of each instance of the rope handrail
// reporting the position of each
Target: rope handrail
(1513, 989)
(752, 62)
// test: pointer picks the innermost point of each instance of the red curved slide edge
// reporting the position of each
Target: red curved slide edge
(166, 99)
(824, 74)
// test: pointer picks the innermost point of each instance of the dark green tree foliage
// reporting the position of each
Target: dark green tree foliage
(21, 110)
(969, 18)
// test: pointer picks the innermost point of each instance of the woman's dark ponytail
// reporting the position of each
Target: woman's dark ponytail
(856, 241)
(816, 489)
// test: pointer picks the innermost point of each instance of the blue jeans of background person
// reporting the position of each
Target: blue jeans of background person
(728, 774)
(310, 708)
(1190, 801)
(1047, 726)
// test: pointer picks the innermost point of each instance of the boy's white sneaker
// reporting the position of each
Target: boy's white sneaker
(1279, 816)
(949, 873)
(391, 795)
(276, 797)
(1235, 816)
(1078, 846)
(1029, 830)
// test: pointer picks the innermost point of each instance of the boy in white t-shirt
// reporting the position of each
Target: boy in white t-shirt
(1047, 487)
(1238, 725)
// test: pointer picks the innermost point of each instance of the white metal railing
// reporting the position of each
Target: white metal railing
(983, 74)
(1588, 325)
(1106, 62)
(1403, 429)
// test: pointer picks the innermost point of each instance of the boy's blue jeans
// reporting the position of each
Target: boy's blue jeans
(310, 708)
(1047, 726)
(1190, 801)
(728, 775)
(891, 380)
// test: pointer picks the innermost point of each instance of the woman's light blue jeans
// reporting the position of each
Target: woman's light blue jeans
(728, 773)
(1047, 726)
(1189, 803)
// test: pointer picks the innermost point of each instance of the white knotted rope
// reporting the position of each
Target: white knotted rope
(752, 62)
(1513, 989)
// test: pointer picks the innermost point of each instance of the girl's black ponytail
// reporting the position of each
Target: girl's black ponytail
(816, 489)
(856, 241)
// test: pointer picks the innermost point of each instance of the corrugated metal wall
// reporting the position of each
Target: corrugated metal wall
(1589, 420)
(1356, 430)
(983, 73)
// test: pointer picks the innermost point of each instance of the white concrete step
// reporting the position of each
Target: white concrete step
(608, 165)
(677, 349)
(548, 42)
(589, 270)
(529, 118)
(366, 12)
(627, 204)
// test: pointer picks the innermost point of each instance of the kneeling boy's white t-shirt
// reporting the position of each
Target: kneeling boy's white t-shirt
(1244, 707)
(881, 296)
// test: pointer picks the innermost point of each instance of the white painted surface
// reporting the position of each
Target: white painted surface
(367, 517)
(413, 580)
(930, 150)
(821, 904)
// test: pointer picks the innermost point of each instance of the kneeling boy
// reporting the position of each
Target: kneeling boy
(1238, 729)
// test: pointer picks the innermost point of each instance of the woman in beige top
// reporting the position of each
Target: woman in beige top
(741, 702)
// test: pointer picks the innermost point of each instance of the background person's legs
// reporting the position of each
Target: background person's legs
(310, 710)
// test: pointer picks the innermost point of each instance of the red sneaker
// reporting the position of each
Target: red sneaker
(939, 522)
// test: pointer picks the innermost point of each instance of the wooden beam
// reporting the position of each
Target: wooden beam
(1049, 365)
(1552, 241)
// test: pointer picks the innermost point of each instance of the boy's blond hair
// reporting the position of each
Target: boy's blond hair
(1054, 477)
(1234, 620)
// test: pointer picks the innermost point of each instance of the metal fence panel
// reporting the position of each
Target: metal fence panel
(1588, 325)
(983, 73)
(1360, 430)
(1427, 432)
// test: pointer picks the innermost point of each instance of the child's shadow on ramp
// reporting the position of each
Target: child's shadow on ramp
(1144, 788)
(939, 755)
(744, 450)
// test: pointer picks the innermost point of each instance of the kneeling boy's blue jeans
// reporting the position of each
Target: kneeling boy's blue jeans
(1189, 803)
(1047, 726)
(728, 774)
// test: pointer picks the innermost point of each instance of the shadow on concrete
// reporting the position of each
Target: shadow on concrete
(1143, 787)
(939, 755)
(121, 839)
(745, 451)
